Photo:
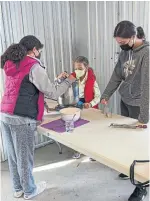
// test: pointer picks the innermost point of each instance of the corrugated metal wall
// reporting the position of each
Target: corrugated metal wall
(94, 23)
(70, 29)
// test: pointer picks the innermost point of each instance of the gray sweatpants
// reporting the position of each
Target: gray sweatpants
(18, 135)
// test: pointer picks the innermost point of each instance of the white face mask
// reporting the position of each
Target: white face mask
(79, 73)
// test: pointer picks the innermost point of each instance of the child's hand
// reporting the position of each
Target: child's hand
(87, 105)
(63, 75)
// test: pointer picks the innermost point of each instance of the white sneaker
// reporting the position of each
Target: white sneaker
(18, 194)
(40, 187)
(76, 155)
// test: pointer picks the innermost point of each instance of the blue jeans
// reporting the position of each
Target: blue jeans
(19, 141)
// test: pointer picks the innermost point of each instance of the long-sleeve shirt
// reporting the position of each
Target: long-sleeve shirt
(97, 93)
(40, 79)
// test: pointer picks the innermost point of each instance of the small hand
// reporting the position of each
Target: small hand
(87, 105)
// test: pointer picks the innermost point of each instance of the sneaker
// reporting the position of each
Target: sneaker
(138, 194)
(76, 155)
(40, 187)
(123, 176)
(18, 194)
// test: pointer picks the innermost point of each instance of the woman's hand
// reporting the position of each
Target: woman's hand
(104, 102)
(139, 123)
(87, 105)
(63, 75)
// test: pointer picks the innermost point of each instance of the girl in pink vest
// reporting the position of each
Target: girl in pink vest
(22, 107)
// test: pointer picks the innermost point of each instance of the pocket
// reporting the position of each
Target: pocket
(32, 126)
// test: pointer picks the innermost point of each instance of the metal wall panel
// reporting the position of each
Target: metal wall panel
(70, 29)
(137, 12)
(94, 24)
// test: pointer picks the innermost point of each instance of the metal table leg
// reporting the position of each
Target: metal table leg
(59, 146)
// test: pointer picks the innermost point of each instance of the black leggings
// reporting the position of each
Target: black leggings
(129, 111)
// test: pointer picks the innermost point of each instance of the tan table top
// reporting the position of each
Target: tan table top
(116, 148)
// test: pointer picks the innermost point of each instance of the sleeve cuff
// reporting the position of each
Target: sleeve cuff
(93, 103)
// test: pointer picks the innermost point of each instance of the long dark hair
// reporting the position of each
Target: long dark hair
(16, 52)
(126, 29)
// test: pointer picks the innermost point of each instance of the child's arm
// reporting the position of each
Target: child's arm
(97, 95)
(96, 99)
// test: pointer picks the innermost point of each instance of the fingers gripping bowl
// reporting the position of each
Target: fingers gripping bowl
(68, 114)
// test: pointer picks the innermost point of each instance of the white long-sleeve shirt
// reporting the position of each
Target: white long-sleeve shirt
(97, 93)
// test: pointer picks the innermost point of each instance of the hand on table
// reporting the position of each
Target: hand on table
(87, 105)
(139, 123)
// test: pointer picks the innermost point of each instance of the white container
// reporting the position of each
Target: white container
(70, 113)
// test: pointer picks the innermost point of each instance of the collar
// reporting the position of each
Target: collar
(40, 62)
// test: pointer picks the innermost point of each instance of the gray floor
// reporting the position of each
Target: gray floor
(71, 180)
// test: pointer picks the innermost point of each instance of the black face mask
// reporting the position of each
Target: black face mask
(126, 47)
(39, 56)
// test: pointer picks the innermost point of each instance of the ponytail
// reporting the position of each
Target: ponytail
(140, 33)
(126, 29)
(14, 53)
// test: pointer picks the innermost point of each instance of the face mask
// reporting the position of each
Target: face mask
(127, 47)
(79, 73)
(39, 56)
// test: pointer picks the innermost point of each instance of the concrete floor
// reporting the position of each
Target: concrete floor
(71, 180)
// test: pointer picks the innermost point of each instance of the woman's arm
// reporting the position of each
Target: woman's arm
(40, 79)
(114, 82)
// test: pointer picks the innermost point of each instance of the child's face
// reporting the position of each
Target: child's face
(80, 70)
(79, 66)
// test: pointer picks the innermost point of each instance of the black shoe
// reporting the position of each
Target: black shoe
(91, 159)
(138, 194)
(123, 176)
